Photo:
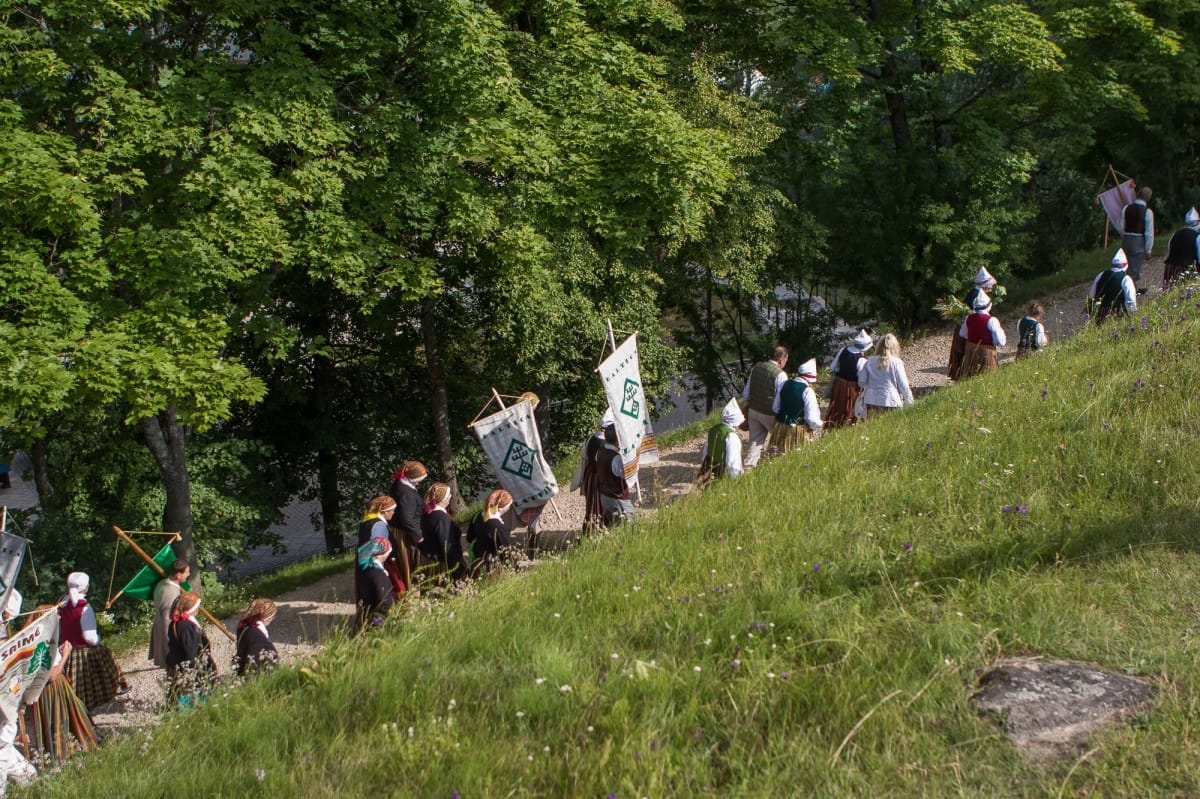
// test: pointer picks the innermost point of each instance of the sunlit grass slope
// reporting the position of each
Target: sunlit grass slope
(813, 629)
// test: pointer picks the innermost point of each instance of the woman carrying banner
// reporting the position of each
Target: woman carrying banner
(191, 670)
(57, 724)
(90, 667)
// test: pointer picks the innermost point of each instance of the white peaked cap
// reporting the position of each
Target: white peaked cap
(808, 370)
(1120, 259)
(608, 420)
(984, 278)
(78, 580)
(732, 414)
(13, 606)
(863, 340)
(982, 302)
(1191, 217)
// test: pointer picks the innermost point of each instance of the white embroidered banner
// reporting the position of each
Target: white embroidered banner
(25, 661)
(511, 442)
(622, 378)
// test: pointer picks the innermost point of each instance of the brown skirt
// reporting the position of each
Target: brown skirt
(977, 359)
(841, 403)
(957, 348)
(94, 674)
(786, 437)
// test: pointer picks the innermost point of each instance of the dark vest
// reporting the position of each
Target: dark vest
(1027, 334)
(608, 483)
(977, 329)
(1181, 249)
(1109, 296)
(762, 386)
(1135, 219)
(791, 402)
(847, 365)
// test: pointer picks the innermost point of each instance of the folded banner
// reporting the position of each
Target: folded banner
(12, 555)
(622, 378)
(142, 585)
(1114, 201)
(26, 659)
(511, 442)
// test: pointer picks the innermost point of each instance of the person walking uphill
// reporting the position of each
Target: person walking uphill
(984, 282)
(984, 336)
(1113, 291)
(1137, 234)
(762, 387)
(166, 591)
(797, 414)
(1183, 250)
(846, 366)
(721, 455)
(883, 380)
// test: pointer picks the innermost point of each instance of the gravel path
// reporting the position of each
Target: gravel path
(306, 616)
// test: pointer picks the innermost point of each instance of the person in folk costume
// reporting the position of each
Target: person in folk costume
(166, 591)
(721, 455)
(584, 479)
(488, 535)
(984, 336)
(797, 412)
(1031, 333)
(984, 282)
(884, 380)
(255, 651)
(13, 764)
(846, 365)
(57, 724)
(90, 666)
(762, 387)
(615, 496)
(1113, 291)
(1137, 234)
(191, 670)
(377, 523)
(1183, 250)
(406, 522)
(443, 541)
(372, 585)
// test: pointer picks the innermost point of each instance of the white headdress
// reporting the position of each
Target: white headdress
(1191, 218)
(808, 370)
(984, 279)
(863, 340)
(732, 414)
(1120, 259)
(982, 302)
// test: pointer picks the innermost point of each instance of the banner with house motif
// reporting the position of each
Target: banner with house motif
(622, 378)
(25, 662)
(511, 442)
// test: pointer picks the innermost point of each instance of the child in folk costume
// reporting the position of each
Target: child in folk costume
(374, 588)
(845, 366)
(191, 670)
(1031, 334)
(797, 413)
(1113, 291)
(721, 455)
(984, 336)
(984, 282)
(91, 668)
(255, 651)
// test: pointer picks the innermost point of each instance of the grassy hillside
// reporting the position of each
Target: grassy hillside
(813, 629)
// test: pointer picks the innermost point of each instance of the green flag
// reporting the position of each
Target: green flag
(142, 584)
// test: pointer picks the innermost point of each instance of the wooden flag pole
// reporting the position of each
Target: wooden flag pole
(141, 553)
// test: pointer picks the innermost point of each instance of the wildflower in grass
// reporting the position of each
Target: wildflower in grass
(654, 745)
(566, 689)
(783, 676)
(816, 567)
(1045, 393)
(735, 664)
(260, 774)
(908, 545)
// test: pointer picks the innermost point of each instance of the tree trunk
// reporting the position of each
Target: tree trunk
(331, 500)
(41, 469)
(439, 405)
(166, 438)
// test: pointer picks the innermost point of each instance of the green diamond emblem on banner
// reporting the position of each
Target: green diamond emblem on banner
(519, 459)
(629, 403)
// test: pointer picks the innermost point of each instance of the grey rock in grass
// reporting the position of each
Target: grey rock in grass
(1051, 708)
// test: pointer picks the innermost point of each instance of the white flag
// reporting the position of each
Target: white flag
(511, 442)
(1114, 201)
(622, 378)
(25, 661)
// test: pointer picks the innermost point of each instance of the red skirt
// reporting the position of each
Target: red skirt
(841, 403)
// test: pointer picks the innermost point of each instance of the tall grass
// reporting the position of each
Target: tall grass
(814, 628)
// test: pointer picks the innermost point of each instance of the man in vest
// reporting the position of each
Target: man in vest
(1183, 250)
(1137, 234)
(721, 455)
(766, 378)
(1112, 291)
(615, 499)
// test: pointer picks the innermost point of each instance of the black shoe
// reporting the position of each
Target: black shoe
(1141, 291)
